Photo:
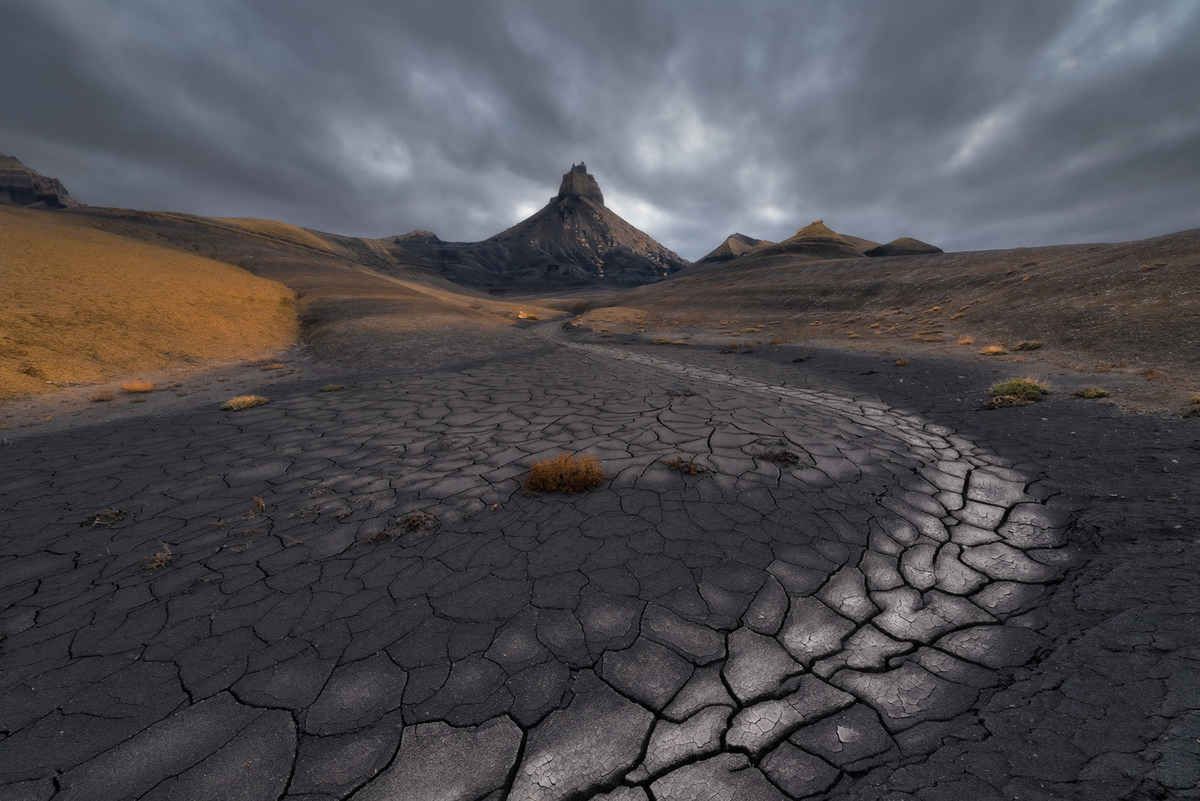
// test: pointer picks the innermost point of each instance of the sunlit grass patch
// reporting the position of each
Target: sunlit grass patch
(1016, 392)
(565, 473)
(240, 402)
(138, 386)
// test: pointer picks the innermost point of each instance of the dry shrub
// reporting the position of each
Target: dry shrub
(240, 402)
(565, 473)
(1028, 344)
(137, 386)
(103, 396)
(995, 349)
(160, 558)
(105, 518)
(1016, 392)
(902, 362)
(689, 467)
(779, 456)
(1091, 393)
(966, 339)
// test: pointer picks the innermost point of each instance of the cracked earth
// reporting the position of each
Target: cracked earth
(348, 594)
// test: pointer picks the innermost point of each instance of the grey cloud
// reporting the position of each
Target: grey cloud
(971, 125)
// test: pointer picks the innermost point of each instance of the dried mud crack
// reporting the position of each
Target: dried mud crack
(899, 611)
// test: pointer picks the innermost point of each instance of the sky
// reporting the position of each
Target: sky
(968, 124)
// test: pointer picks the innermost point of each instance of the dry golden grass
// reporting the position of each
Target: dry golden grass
(565, 473)
(239, 402)
(1091, 393)
(78, 305)
(160, 558)
(993, 350)
(138, 386)
(902, 362)
(1016, 392)
(281, 230)
(689, 467)
(966, 339)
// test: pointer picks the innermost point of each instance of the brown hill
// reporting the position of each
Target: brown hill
(904, 246)
(574, 240)
(1129, 307)
(735, 245)
(22, 186)
(818, 241)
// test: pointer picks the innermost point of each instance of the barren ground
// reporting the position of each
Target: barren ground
(866, 586)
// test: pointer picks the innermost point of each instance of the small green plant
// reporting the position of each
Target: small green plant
(1091, 393)
(1016, 392)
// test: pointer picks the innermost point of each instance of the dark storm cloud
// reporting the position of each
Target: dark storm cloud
(971, 125)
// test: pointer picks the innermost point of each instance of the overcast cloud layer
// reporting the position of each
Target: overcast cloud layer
(970, 125)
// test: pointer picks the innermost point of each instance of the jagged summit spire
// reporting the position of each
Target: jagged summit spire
(578, 182)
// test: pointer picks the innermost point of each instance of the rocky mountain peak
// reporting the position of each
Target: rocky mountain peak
(22, 186)
(578, 182)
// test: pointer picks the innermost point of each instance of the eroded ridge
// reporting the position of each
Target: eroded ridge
(840, 580)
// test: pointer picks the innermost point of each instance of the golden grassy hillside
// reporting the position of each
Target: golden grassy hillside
(281, 230)
(79, 305)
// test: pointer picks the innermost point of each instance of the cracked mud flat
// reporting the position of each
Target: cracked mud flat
(360, 601)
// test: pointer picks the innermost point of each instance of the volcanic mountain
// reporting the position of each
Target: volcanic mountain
(21, 186)
(735, 245)
(573, 240)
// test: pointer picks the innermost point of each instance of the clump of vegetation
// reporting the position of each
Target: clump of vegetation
(1193, 408)
(995, 349)
(966, 339)
(137, 386)
(689, 467)
(274, 366)
(779, 456)
(240, 402)
(160, 558)
(1028, 344)
(565, 473)
(103, 396)
(902, 362)
(1016, 392)
(105, 518)
(333, 387)
(1091, 393)
(413, 522)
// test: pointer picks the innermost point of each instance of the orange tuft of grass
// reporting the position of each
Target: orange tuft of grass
(966, 339)
(239, 402)
(565, 473)
(902, 362)
(137, 386)
(995, 349)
